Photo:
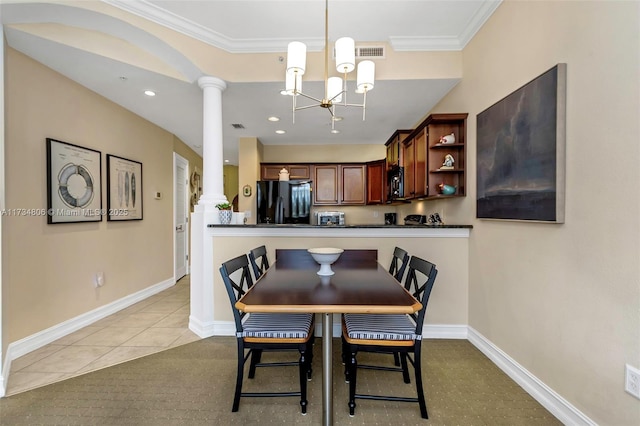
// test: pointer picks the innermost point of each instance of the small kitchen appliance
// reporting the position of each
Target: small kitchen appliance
(415, 219)
(330, 218)
(390, 218)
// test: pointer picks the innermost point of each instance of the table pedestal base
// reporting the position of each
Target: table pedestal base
(327, 371)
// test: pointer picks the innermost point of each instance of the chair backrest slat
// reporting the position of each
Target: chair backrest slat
(238, 287)
(420, 278)
(399, 263)
(259, 261)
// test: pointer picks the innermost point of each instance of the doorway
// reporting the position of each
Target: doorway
(180, 216)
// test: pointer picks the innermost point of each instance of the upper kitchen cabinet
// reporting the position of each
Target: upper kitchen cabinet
(446, 140)
(434, 158)
(339, 184)
(270, 171)
(394, 148)
(415, 164)
(376, 182)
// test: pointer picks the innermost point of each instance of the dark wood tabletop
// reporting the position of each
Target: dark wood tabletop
(360, 285)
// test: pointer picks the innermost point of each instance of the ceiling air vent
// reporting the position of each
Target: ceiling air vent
(237, 126)
(370, 52)
(367, 52)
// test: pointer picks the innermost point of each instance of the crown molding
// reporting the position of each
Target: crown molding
(170, 20)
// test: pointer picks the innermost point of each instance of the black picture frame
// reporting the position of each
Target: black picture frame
(74, 186)
(124, 189)
(521, 152)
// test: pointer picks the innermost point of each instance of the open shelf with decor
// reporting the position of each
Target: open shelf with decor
(446, 142)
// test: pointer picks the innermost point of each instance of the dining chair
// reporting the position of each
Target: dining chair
(400, 333)
(258, 332)
(399, 263)
(259, 261)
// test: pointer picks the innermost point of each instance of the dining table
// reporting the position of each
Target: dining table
(360, 284)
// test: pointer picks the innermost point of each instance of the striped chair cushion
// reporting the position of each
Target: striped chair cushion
(380, 327)
(282, 326)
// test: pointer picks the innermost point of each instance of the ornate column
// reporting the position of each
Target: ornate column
(212, 153)
(201, 318)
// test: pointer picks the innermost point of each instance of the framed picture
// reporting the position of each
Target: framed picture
(521, 152)
(73, 183)
(124, 189)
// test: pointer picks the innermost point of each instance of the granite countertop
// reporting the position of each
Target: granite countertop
(287, 225)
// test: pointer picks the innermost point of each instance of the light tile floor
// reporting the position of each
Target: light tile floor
(155, 324)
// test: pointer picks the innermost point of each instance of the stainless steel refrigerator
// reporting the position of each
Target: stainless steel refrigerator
(283, 201)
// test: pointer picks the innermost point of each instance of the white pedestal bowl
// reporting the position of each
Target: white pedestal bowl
(325, 256)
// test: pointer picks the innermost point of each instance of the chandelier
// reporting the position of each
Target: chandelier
(335, 88)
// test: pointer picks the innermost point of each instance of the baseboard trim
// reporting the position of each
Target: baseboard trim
(215, 328)
(547, 397)
(36, 341)
(444, 331)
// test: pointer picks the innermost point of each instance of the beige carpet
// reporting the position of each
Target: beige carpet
(193, 385)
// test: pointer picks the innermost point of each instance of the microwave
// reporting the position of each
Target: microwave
(330, 218)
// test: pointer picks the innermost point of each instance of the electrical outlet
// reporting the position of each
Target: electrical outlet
(632, 380)
(375, 213)
(98, 280)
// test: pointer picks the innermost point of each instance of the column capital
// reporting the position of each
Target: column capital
(209, 81)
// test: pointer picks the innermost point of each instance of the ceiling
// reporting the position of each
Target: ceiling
(243, 28)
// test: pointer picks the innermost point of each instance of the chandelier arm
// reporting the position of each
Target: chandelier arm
(293, 107)
(364, 105)
(307, 106)
(311, 97)
(333, 117)
(338, 94)
(344, 87)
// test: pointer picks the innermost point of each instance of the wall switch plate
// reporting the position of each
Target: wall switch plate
(632, 380)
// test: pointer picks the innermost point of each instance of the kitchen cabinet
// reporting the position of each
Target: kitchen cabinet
(339, 184)
(394, 148)
(353, 184)
(425, 173)
(271, 171)
(415, 165)
(325, 183)
(376, 182)
(439, 125)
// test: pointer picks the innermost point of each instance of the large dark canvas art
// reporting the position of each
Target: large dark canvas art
(521, 152)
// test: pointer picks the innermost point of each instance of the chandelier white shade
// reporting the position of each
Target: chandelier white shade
(345, 54)
(296, 57)
(366, 75)
(335, 88)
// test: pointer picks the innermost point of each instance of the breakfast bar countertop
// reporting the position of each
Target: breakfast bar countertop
(298, 226)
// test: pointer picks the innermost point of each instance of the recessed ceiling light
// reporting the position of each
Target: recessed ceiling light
(273, 118)
(226, 161)
(280, 132)
(335, 131)
(149, 93)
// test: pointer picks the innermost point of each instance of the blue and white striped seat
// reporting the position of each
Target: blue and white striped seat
(380, 327)
(280, 326)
